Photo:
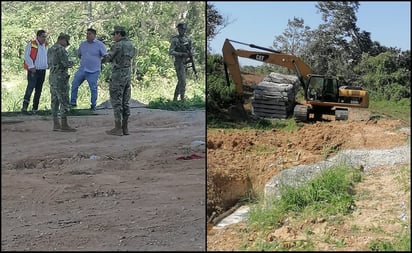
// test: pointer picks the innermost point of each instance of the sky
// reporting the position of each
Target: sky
(259, 22)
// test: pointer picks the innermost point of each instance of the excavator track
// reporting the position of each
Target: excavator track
(341, 114)
(300, 113)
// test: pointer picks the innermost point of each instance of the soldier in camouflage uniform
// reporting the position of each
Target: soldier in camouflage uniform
(180, 48)
(58, 62)
(120, 55)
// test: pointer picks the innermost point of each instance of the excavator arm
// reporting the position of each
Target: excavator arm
(230, 58)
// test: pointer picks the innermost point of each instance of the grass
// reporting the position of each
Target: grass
(399, 110)
(328, 194)
(258, 124)
(329, 149)
(168, 104)
(401, 243)
(158, 97)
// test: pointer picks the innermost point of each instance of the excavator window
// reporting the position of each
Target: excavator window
(330, 91)
(315, 88)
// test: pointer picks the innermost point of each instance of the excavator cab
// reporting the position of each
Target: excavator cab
(322, 88)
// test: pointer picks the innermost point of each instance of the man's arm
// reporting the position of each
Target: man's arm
(112, 53)
(64, 58)
(79, 51)
(172, 49)
(27, 59)
(102, 48)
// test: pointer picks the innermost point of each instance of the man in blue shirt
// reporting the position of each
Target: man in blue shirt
(90, 53)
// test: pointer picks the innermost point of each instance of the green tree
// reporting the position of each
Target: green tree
(150, 26)
(386, 75)
(293, 39)
(215, 22)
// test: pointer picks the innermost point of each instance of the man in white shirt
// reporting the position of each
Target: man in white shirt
(35, 62)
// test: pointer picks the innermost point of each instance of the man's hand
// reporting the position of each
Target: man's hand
(32, 71)
(105, 58)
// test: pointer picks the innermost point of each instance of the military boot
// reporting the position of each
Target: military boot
(56, 124)
(65, 127)
(124, 126)
(117, 130)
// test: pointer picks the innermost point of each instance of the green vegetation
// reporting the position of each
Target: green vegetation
(396, 109)
(329, 194)
(12, 99)
(167, 104)
(402, 243)
(150, 26)
(258, 124)
(329, 149)
(328, 197)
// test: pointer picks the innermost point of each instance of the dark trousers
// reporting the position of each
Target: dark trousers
(35, 82)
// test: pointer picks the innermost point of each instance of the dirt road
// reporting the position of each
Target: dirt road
(91, 191)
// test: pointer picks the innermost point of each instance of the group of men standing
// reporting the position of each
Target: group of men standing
(92, 53)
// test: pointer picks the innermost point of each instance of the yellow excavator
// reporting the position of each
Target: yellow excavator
(322, 94)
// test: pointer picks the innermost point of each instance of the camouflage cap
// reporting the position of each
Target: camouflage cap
(118, 28)
(64, 36)
(182, 25)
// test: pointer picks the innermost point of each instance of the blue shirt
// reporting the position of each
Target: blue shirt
(90, 54)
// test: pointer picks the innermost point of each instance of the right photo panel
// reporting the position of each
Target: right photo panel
(308, 126)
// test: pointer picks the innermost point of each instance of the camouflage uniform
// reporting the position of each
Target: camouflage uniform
(58, 62)
(120, 55)
(180, 47)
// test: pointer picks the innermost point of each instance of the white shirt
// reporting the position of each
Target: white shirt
(41, 58)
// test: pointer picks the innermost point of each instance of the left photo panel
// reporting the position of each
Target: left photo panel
(103, 126)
